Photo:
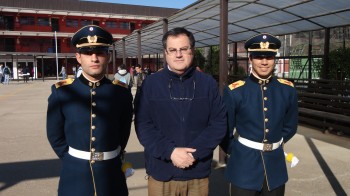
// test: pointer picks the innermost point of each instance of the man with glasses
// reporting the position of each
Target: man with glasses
(89, 120)
(180, 120)
(264, 111)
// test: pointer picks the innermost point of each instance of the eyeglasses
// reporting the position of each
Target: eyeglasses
(181, 98)
(184, 50)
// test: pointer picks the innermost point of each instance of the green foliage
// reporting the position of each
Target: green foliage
(199, 59)
(339, 64)
(212, 65)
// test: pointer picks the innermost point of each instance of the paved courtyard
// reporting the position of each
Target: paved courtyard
(28, 166)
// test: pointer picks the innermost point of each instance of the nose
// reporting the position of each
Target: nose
(93, 57)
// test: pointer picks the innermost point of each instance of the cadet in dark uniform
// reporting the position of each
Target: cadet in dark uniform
(264, 110)
(89, 120)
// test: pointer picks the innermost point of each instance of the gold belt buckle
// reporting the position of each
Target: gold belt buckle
(267, 147)
(97, 156)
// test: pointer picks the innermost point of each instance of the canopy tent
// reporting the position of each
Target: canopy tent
(245, 19)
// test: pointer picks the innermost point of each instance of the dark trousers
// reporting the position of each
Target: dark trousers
(236, 191)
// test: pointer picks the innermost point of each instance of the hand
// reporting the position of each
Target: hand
(182, 157)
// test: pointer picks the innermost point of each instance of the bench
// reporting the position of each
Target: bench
(324, 104)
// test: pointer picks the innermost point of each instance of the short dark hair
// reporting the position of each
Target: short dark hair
(122, 66)
(178, 31)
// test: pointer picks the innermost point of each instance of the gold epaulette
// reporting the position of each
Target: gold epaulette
(65, 82)
(122, 84)
(286, 82)
(236, 84)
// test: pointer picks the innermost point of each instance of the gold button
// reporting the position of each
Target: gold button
(97, 83)
(265, 88)
(93, 127)
(266, 130)
(92, 161)
(93, 104)
(93, 92)
(93, 115)
(93, 139)
(92, 149)
(90, 83)
(267, 81)
(266, 119)
(265, 98)
(265, 109)
(260, 82)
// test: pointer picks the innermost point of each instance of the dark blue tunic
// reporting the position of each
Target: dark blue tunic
(86, 116)
(262, 112)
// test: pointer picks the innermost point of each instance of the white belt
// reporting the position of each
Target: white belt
(96, 156)
(259, 145)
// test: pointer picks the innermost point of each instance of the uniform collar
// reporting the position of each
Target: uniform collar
(90, 83)
(259, 80)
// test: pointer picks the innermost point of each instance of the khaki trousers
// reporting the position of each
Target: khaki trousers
(195, 187)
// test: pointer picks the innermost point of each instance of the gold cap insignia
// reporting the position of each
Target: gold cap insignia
(92, 39)
(264, 45)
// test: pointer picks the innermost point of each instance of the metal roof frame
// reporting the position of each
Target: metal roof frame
(245, 19)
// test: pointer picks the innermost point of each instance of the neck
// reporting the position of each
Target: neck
(93, 79)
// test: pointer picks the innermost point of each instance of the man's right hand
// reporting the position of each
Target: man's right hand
(182, 157)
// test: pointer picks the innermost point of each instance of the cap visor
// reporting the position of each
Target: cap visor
(93, 49)
(265, 53)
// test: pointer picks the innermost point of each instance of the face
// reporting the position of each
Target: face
(138, 69)
(262, 66)
(94, 64)
(179, 54)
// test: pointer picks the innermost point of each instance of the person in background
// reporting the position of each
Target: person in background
(1, 73)
(89, 120)
(7, 73)
(25, 73)
(180, 120)
(63, 73)
(123, 76)
(79, 71)
(139, 77)
(263, 110)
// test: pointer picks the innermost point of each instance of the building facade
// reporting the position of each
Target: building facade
(36, 33)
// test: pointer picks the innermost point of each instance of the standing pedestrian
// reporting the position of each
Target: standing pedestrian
(180, 120)
(1, 73)
(7, 73)
(63, 73)
(264, 111)
(89, 120)
(25, 74)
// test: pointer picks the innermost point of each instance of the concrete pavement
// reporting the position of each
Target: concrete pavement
(28, 166)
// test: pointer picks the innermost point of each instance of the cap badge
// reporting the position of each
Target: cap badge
(92, 39)
(264, 37)
(264, 45)
(91, 28)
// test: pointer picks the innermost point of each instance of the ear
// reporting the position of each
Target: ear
(78, 57)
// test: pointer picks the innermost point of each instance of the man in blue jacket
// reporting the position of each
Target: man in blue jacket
(89, 120)
(180, 120)
(264, 111)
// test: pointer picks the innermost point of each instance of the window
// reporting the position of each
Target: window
(124, 25)
(26, 20)
(85, 22)
(111, 24)
(72, 23)
(43, 21)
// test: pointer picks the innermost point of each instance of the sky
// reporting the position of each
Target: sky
(179, 4)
